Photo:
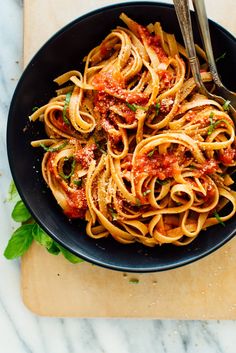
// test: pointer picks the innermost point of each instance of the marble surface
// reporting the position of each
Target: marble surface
(23, 332)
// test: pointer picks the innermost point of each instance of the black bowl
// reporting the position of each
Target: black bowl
(64, 51)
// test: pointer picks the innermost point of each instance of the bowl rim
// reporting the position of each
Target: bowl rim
(123, 268)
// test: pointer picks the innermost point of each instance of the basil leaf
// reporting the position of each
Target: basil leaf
(162, 182)
(98, 145)
(64, 176)
(146, 192)
(20, 213)
(69, 256)
(34, 109)
(150, 154)
(157, 108)
(217, 216)
(12, 192)
(78, 182)
(212, 126)
(66, 105)
(54, 149)
(226, 105)
(131, 106)
(113, 214)
(220, 57)
(54, 250)
(41, 237)
(20, 242)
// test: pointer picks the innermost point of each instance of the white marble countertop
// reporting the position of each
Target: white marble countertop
(23, 332)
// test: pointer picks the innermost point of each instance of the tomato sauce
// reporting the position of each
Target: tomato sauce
(61, 124)
(85, 155)
(114, 85)
(152, 41)
(209, 167)
(163, 166)
(76, 204)
(228, 156)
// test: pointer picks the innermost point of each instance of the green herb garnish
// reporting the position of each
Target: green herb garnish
(220, 57)
(134, 280)
(98, 145)
(54, 149)
(226, 105)
(146, 192)
(77, 182)
(134, 107)
(34, 109)
(66, 105)
(162, 182)
(212, 125)
(219, 219)
(41, 237)
(138, 202)
(131, 106)
(113, 214)
(67, 176)
(191, 166)
(20, 213)
(157, 108)
(150, 154)
(20, 242)
(23, 236)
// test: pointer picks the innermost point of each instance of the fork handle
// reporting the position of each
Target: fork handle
(184, 18)
(200, 9)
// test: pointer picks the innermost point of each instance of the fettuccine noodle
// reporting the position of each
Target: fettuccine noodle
(133, 147)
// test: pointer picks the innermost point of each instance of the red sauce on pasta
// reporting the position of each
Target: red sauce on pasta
(163, 166)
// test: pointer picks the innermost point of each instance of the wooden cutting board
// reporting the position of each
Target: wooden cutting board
(53, 287)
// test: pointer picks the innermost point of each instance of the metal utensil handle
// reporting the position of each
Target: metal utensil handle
(200, 9)
(183, 14)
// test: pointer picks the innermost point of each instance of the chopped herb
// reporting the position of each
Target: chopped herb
(191, 166)
(67, 176)
(212, 126)
(78, 182)
(219, 219)
(157, 108)
(34, 109)
(150, 154)
(66, 105)
(113, 214)
(131, 106)
(146, 192)
(226, 105)
(162, 182)
(138, 203)
(134, 280)
(220, 57)
(98, 145)
(54, 149)
(134, 107)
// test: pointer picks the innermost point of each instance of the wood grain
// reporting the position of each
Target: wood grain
(53, 287)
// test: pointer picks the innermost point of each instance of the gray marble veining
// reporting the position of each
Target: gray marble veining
(22, 331)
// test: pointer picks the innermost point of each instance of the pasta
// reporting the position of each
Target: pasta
(133, 147)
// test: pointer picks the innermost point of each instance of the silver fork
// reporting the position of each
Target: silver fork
(200, 9)
(183, 14)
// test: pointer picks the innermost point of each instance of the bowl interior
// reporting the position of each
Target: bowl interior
(65, 51)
